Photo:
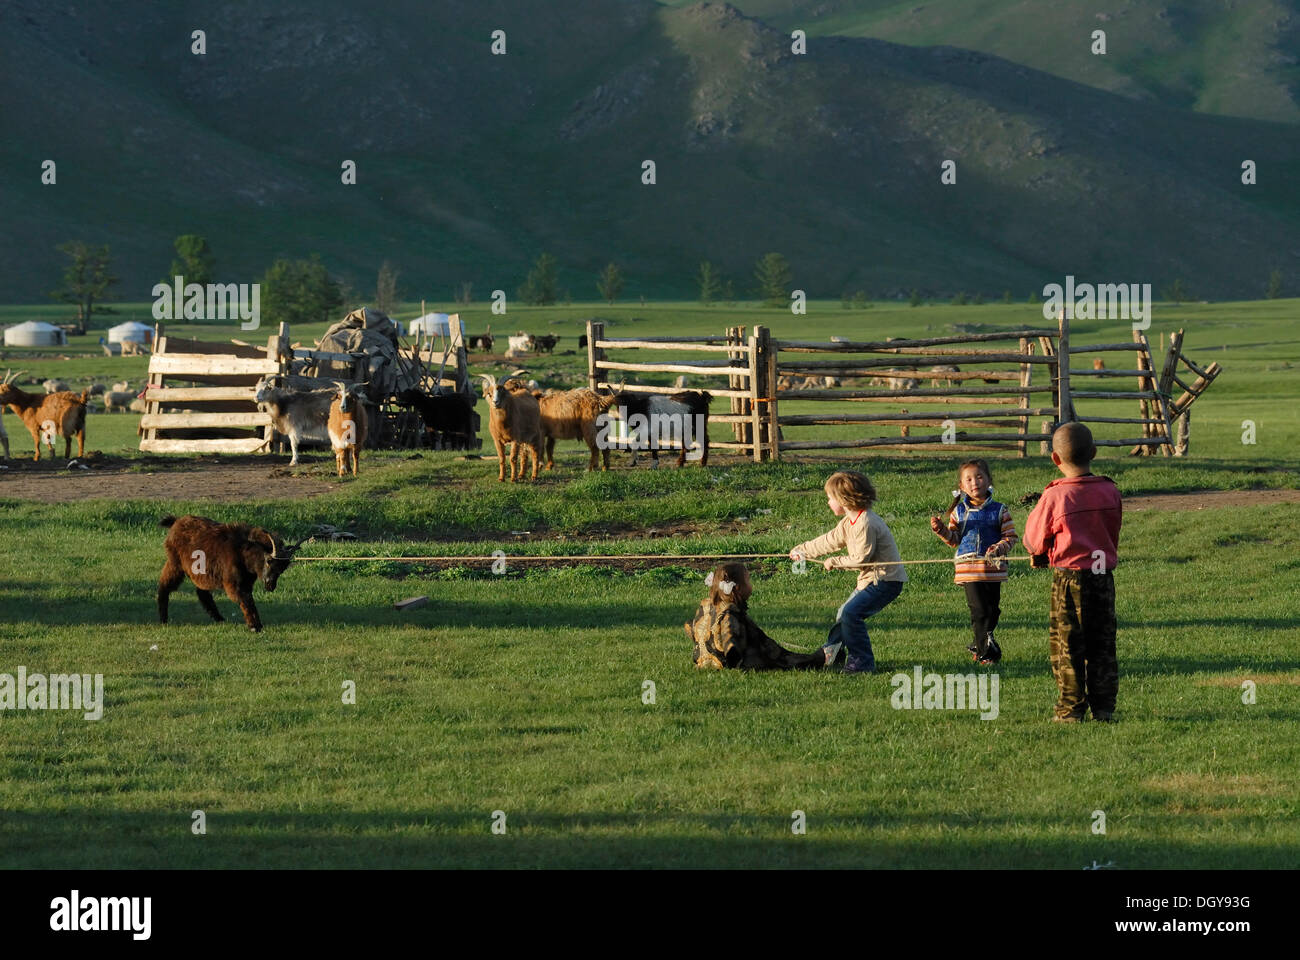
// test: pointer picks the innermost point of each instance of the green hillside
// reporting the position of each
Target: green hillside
(1235, 58)
(470, 164)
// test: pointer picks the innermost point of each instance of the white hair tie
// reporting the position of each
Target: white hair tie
(726, 586)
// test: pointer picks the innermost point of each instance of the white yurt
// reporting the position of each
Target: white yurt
(33, 333)
(431, 325)
(131, 332)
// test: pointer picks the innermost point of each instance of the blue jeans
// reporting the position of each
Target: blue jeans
(851, 620)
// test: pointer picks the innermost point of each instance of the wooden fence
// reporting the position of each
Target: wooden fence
(761, 373)
(742, 367)
(212, 409)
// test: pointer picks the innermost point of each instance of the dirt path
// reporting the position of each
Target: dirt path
(236, 479)
(110, 478)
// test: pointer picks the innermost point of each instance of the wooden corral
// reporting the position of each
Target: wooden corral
(199, 398)
(1007, 396)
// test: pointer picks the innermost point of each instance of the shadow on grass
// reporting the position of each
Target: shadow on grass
(409, 839)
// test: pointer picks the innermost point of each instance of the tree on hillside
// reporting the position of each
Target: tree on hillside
(299, 291)
(85, 280)
(710, 282)
(914, 298)
(774, 279)
(539, 288)
(610, 282)
(386, 299)
(1274, 285)
(1176, 291)
(193, 260)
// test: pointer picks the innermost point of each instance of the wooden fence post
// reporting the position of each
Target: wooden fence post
(595, 331)
(754, 427)
(1064, 406)
(769, 391)
(1026, 374)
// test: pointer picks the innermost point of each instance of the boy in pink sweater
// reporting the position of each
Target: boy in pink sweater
(1076, 523)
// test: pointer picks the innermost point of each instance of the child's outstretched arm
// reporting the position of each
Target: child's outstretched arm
(828, 542)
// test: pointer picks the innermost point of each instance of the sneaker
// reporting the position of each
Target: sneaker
(832, 652)
(1068, 719)
(991, 653)
(1102, 717)
(854, 665)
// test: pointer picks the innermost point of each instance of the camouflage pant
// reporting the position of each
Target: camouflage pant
(1083, 643)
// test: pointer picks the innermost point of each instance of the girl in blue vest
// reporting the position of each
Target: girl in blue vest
(983, 532)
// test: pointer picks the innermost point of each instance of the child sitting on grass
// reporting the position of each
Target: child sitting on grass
(1076, 523)
(725, 636)
(866, 539)
(983, 532)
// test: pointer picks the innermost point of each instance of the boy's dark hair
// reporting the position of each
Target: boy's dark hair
(1074, 444)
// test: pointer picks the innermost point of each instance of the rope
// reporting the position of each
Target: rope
(649, 556)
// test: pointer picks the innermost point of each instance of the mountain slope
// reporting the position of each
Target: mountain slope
(1230, 57)
(469, 164)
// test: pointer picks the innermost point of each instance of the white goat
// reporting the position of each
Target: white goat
(301, 415)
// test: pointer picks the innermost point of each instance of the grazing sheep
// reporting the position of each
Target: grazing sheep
(522, 343)
(121, 385)
(546, 344)
(97, 389)
(347, 425)
(943, 368)
(221, 556)
(62, 413)
(137, 405)
(679, 412)
(481, 340)
(516, 419)
(118, 400)
(56, 386)
(572, 415)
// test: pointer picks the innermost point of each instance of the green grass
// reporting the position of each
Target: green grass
(522, 692)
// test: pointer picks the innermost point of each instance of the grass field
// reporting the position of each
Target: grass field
(522, 693)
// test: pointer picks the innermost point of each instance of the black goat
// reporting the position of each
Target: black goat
(445, 413)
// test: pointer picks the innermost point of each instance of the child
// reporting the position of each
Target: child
(724, 636)
(867, 540)
(1076, 523)
(979, 528)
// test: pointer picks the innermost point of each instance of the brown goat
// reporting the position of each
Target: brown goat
(571, 415)
(44, 415)
(347, 426)
(516, 419)
(221, 556)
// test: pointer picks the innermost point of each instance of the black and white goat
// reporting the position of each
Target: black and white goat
(653, 418)
(301, 415)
